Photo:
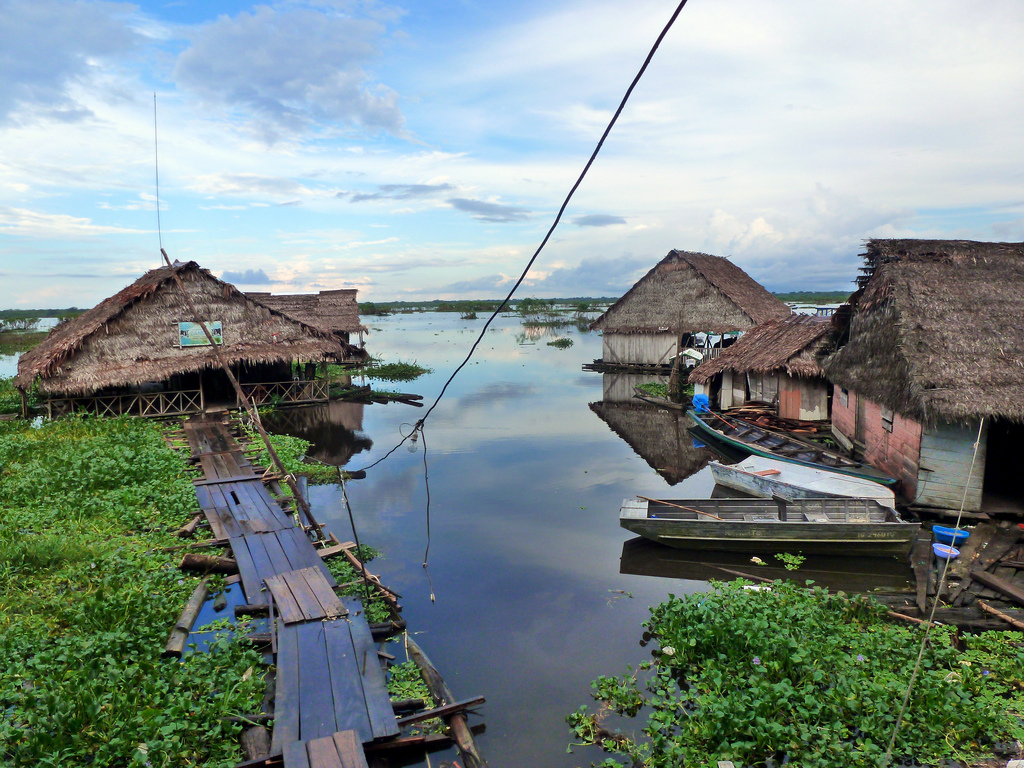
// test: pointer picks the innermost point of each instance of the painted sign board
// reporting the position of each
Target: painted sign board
(191, 334)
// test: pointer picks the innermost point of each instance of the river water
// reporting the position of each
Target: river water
(532, 589)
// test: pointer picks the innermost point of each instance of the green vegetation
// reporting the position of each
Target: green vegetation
(12, 342)
(38, 314)
(87, 600)
(752, 675)
(406, 682)
(814, 297)
(577, 304)
(660, 389)
(563, 343)
(350, 583)
(292, 452)
(381, 371)
(790, 561)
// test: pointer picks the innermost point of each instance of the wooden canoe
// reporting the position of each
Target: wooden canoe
(827, 526)
(760, 441)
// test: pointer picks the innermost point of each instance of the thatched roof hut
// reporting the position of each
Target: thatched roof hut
(935, 333)
(337, 311)
(789, 346)
(132, 338)
(690, 293)
(659, 436)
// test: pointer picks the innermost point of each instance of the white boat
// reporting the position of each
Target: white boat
(764, 477)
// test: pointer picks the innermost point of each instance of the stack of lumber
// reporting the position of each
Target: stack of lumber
(766, 415)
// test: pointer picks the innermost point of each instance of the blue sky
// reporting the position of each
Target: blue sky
(419, 150)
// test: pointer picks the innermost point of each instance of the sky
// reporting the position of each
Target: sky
(420, 150)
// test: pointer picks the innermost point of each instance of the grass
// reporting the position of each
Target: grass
(377, 369)
(86, 605)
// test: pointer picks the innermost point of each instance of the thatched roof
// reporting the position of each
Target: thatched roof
(692, 292)
(790, 345)
(936, 331)
(337, 311)
(131, 337)
(659, 436)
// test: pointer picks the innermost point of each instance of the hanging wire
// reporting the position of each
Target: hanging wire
(551, 229)
(156, 168)
(426, 483)
(355, 535)
(935, 605)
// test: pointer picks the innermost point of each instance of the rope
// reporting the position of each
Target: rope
(551, 229)
(935, 605)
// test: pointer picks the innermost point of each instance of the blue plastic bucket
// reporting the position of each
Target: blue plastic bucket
(945, 552)
(952, 536)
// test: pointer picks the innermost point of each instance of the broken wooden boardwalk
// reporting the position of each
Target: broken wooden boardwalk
(331, 694)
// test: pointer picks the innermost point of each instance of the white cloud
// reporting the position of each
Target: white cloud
(291, 69)
(25, 223)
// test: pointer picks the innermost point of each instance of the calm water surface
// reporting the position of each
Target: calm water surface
(529, 459)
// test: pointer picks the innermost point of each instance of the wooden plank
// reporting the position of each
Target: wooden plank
(350, 750)
(316, 697)
(323, 592)
(261, 560)
(346, 683)
(286, 693)
(227, 521)
(216, 526)
(252, 582)
(304, 595)
(323, 753)
(295, 755)
(444, 711)
(279, 562)
(287, 604)
(921, 562)
(301, 552)
(374, 683)
(1000, 585)
(221, 480)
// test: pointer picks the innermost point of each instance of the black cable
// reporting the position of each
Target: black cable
(426, 483)
(558, 218)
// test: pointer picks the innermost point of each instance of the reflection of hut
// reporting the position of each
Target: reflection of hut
(684, 294)
(335, 429)
(931, 348)
(775, 362)
(337, 311)
(658, 436)
(140, 351)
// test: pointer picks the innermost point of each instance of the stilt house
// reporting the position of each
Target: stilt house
(141, 350)
(775, 362)
(337, 311)
(684, 294)
(930, 359)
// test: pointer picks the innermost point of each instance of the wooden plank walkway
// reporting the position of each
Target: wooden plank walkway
(331, 693)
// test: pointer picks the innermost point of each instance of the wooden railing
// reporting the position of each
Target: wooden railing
(278, 392)
(173, 403)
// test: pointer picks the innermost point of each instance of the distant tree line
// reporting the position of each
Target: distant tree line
(814, 297)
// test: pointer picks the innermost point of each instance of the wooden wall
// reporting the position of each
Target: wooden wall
(803, 398)
(646, 348)
(945, 466)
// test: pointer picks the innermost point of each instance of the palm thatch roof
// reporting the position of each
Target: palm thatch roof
(337, 311)
(132, 337)
(659, 436)
(935, 333)
(692, 292)
(790, 345)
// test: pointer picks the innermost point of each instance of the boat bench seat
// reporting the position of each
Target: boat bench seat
(761, 518)
(816, 517)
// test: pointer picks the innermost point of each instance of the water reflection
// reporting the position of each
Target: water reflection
(335, 430)
(659, 436)
(643, 557)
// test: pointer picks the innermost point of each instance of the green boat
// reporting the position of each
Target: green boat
(737, 433)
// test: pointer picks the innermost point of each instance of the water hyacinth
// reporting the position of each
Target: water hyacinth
(811, 697)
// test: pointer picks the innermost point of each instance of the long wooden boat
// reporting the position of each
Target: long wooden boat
(768, 478)
(776, 445)
(824, 526)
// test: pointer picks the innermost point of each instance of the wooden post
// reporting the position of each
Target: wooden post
(180, 632)
(457, 724)
(208, 564)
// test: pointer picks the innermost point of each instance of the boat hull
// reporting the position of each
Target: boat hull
(829, 460)
(852, 527)
(796, 481)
